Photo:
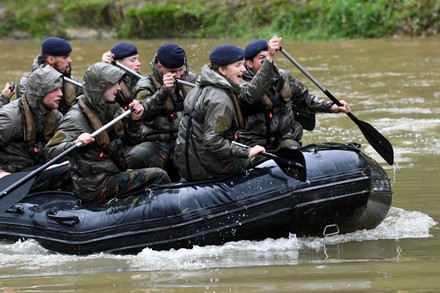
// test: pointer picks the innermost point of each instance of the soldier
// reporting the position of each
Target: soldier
(99, 169)
(127, 54)
(162, 98)
(27, 124)
(204, 148)
(55, 53)
(270, 121)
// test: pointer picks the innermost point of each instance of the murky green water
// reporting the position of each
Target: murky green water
(392, 84)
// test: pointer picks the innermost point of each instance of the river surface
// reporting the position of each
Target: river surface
(393, 84)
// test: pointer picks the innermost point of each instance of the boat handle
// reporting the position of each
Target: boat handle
(331, 230)
(66, 220)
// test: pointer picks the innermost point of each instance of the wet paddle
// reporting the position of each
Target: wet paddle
(136, 74)
(377, 140)
(15, 187)
(291, 161)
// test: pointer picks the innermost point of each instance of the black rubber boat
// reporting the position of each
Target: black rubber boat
(345, 191)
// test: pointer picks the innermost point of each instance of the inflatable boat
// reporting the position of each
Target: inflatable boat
(343, 190)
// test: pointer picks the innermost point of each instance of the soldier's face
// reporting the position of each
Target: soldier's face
(256, 62)
(234, 71)
(52, 99)
(132, 62)
(178, 72)
(109, 95)
(63, 64)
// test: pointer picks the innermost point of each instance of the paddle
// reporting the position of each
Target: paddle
(74, 82)
(136, 74)
(377, 140)
(291, 161)
(17, 185)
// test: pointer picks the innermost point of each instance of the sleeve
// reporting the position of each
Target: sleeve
(4, 99)
(7, 128)
(255, 89)
(152, 99)
(68, 131)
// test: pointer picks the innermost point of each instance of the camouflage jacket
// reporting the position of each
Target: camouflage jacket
(92, 164)
(163, 109)
(203, 147)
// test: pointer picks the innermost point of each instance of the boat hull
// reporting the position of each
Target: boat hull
(345, 191)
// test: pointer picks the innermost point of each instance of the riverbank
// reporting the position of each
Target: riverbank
(295, 19)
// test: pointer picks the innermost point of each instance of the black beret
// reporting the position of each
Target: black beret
(255, 47)
(123, 50)
(170, 55)
(56, 47)
(226, 54)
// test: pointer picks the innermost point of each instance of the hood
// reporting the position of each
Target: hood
(41, 82)
(97, 79)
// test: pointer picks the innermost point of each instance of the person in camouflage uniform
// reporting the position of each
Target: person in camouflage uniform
(204, 148)
(55, 53)
(126, 54)
(98, 168)
(27, 124)
(162, 98)
(270, 122)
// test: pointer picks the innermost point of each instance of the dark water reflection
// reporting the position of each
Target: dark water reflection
(393, 84)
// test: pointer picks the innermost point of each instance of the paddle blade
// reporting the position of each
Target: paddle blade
(376, 140)
(293, 163)
(9, 198)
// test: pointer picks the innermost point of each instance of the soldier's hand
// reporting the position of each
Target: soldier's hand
(107, 57)
(137, 110)
(256, 150)
(85, 138)
(169, 80)
(273, 47)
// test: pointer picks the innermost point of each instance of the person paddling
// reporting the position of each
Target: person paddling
(126, 54)
(162, 98)
(270, 121)
(204, 147)
(99, 168)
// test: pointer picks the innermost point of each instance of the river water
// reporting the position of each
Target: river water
(393, 84)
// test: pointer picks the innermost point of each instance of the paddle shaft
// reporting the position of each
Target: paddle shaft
(74, 82)
(136, 74)
(40, 169)
(377, 140)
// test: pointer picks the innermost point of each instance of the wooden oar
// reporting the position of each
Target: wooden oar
(15, 187)
(291, 161)
(377, 140)
(136, 74)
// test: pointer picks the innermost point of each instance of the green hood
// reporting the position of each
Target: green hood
(41, 82)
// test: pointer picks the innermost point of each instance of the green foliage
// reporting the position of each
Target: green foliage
(159, 22)
(296, 19)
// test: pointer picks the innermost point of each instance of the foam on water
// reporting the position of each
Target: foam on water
(29, 256)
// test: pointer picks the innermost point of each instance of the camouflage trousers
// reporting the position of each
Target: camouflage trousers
(153, 154)
(130, 181)
(53, 178)
(149, 154)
